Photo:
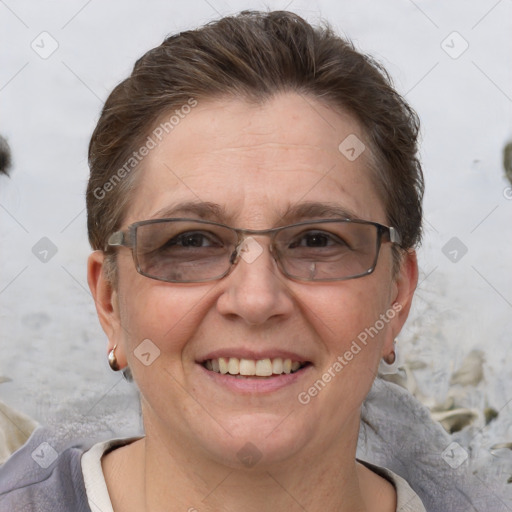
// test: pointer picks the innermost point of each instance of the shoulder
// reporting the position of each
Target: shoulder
(397, 432)
(44, 475)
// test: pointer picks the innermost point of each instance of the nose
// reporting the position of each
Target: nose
(255, 291)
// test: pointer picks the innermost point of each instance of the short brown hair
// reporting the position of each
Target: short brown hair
(255, 55)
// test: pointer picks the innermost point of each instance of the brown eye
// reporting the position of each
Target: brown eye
(316, 239)
(193, 239)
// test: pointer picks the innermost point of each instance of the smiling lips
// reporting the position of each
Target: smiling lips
(253, 367)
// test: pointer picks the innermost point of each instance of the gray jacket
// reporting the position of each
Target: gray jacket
(42, 477)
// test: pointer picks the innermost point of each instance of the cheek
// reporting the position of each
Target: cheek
(159, 323)
(347, 308)
(166, 314)
(348, 320)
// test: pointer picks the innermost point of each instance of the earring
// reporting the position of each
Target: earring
(112, 360)
(389, 365)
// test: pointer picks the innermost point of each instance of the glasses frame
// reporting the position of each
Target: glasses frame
(128, 238)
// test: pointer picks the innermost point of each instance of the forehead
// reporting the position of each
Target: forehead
(258, 161)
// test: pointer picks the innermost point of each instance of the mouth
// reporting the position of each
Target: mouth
(254, 368)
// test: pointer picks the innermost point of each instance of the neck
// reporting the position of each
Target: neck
(169, 475)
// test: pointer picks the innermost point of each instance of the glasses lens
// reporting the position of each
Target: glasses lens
(183, 251)
(328, 251)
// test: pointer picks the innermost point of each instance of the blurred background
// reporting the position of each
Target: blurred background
(451, 60)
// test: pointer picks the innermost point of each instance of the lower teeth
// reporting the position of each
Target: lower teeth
(248, 376)
(261, 376)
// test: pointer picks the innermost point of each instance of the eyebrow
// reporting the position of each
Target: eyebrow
(294, 213)
(203, 210)
(317, 210)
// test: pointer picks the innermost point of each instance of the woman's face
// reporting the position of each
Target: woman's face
(259, 165)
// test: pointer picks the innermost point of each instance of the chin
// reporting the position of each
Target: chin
(257, 441)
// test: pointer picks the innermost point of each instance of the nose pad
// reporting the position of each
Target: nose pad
(233, 259)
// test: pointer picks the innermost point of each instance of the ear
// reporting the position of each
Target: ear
(107, 304)
(402, 294)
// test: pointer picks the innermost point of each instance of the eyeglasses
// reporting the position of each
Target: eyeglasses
(194, 251)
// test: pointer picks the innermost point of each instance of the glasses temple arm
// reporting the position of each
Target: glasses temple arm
(116, 239)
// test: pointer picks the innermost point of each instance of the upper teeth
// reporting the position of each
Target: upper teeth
(258, 367)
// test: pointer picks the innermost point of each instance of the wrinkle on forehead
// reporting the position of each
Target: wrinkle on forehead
(270, 145)
(282, 119)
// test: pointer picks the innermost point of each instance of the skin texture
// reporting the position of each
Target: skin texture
(256, 162)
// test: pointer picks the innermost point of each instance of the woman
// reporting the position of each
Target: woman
(254, 204)
(272, 223)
